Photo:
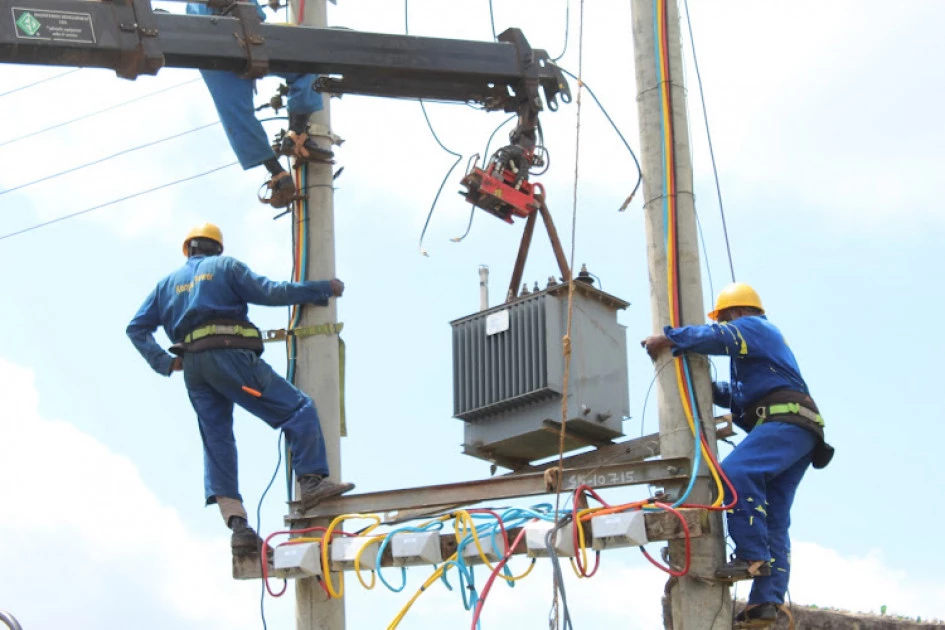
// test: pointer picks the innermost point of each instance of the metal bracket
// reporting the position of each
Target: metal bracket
(140, 49)
(251, 40)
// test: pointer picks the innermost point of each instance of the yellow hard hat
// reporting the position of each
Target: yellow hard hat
(206, 230)
(736, 294)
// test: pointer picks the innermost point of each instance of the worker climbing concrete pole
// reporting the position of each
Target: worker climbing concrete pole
(695, 603)
(317, 363)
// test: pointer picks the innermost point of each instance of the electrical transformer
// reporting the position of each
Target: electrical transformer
(508, 374)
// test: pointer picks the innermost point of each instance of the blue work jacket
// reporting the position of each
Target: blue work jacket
(761, 361)
(210, 288)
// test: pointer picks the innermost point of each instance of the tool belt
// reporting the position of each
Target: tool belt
(221, 334)
(791, 407)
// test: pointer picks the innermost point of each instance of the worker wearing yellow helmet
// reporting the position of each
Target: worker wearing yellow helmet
(203, 308)
(771, 402)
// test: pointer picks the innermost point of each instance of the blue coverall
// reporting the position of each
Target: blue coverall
(210, 288)
(768, 465)
(233, 97)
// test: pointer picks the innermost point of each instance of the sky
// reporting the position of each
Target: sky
(827, 172)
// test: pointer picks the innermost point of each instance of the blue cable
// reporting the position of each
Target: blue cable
(403, 571)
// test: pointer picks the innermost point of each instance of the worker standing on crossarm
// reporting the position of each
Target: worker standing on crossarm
(203, 309)
(771, 402)
(232, 95)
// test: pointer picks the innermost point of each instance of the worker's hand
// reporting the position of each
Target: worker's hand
(655, 344)
(177, 365)
(337, 287)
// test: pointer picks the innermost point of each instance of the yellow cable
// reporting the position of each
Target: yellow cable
(516, 578)
(430, 580)
(357, 562)
(326, 541)
(463, 521)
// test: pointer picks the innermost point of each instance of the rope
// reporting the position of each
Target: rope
(566, 341)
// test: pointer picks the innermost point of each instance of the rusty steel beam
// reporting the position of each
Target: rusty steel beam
(505, 487)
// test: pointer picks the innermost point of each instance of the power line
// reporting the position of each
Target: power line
(705, 116)
(492, 21)
(29, 85)
(426, 117)
(616, 129)
(107, 157)
(95, 113)
(567, 30)
(114, 201)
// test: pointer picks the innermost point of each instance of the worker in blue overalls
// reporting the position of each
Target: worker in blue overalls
(770, 400)
(233, 97)
(202, 308)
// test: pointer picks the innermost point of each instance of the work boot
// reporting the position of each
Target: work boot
(758, 616)
(303, 148)
(316, 488)
(739, 569)
(244, 541)
(281, 191)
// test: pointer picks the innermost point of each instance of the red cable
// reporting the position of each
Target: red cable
(301, 11)
(492, 577)
(685, 527)
(728, 482)
(264, 557)
(582, 571)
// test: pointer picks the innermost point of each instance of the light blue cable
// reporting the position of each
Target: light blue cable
(403, 571)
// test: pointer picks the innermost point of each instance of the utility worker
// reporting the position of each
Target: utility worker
(203, 309)
(770, 400)
(232, 95)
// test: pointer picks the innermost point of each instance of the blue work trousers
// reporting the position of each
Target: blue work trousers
(215, 380)
(765, 470)
(233, 97)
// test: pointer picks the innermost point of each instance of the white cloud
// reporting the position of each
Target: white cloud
(77, 519)
(861, 583)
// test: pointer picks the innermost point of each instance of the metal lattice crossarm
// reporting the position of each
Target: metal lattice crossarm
(128, 37)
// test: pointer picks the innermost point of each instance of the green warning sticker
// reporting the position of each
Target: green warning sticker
(28, 24)
(52, 25)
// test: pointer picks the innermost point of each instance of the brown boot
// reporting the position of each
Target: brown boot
(316, 488)
(281, 191)
(304, 149)
(244, 541)
(739, 569)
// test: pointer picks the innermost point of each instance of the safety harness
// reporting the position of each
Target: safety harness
(799, 409)
(217, 334)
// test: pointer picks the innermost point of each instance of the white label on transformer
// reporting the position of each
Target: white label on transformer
(497, 322)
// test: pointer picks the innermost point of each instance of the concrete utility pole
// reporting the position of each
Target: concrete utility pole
(317, 367)
(695, 603)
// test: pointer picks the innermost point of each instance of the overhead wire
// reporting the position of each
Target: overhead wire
(583, 84)
(108, 157)
(426, 117)
(705, 116)
(116, 201)
(35, 83)
(97, 112)
(495, 36)
(567, 30)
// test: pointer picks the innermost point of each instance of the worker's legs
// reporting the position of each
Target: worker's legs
(279, 403)
(781, 491)
(303, 99)
(233, 97)
(768, 451)
(215, 419)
